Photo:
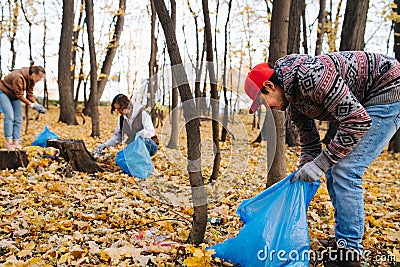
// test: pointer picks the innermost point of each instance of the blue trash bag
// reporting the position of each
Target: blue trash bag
(135, 159)
(275, 231)
(41, 138)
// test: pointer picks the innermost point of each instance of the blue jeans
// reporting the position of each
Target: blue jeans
(344, 180)
(151, 146)
(12, 110)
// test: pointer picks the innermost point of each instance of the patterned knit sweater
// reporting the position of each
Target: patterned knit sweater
(336, 85)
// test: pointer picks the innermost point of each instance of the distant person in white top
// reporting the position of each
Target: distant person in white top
(133, 120)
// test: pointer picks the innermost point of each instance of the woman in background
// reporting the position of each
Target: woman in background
(12, 89)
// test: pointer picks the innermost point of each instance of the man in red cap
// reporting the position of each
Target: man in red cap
(359, 89)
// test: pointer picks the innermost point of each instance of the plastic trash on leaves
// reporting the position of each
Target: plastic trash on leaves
(275, 231)
(135, 159)
(41, 138)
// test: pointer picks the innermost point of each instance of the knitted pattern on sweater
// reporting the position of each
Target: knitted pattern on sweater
(336, 85)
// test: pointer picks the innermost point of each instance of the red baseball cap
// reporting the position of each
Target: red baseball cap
(254, 82)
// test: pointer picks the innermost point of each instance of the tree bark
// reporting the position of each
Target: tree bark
(394, 144)
(352, 38)
(173, 141)
(224, 78)
(67, 104)
(199, 62)
(192, 127)
(75, 153)
(93, 70)
(1, 38)
(278, 48)
(13, 159)
(214, 92)
(75, 38)
(153, 68)
(297, 8)
(321, 27)
(13, 30)
(45, 91)
(94, 97)
(353, 30)
(30, 58)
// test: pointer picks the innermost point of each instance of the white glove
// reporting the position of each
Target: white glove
(38, 108)
(310, 172)
(98, 151)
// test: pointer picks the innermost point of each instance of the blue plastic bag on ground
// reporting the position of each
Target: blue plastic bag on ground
(135, 159)
(275, 231)
(41, 138)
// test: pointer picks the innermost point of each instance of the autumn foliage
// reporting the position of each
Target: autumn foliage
(47, 219)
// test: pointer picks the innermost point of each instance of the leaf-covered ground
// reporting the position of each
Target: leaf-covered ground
(47, 219)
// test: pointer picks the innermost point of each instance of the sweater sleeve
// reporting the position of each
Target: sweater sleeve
(116, 138)
(324, 86)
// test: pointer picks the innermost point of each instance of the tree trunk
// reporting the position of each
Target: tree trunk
(321, 27)
(304, 43)
(353, 30)
(13, 30)
(13, 159)
(75, 38)
(394, 144)
(153, 65)
(277, 49)
(45, 91)
(297, 8)
(30, 58)
(214, 92)
(352, 38)
(224, 78)
(67, 104)
(1, 39)
(93, 70)
(199, 63)
(75, 153)
(192, 127)
(173, 141)
(94, 97)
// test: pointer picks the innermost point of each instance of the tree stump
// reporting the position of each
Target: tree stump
(13, 159)
(75, 153)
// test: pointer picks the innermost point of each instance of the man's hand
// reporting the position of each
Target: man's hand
(310, 172)
(38, 108)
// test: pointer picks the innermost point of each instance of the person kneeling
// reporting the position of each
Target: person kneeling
(133, 120)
